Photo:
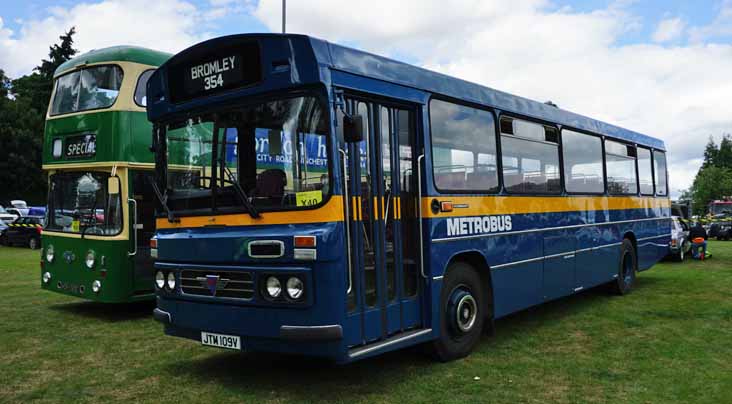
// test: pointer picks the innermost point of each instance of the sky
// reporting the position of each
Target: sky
(659, 67)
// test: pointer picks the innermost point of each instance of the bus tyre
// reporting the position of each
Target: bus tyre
(462, 313)
(628, 267)
(33, 243)
(682, 252)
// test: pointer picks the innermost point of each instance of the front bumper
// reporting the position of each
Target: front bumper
(262, 329)
(287, 332)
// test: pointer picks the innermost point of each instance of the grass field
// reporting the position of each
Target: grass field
(670, 341)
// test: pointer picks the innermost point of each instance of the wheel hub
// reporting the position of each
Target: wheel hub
(463, 311)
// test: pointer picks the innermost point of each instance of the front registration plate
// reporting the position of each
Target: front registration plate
(221, 340)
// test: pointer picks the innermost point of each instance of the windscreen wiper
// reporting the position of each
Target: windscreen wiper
(253, 212)
(163, 198)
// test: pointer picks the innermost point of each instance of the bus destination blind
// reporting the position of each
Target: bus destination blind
(209, 73)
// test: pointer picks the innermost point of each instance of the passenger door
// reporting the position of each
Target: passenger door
(385, 297)
(141, 192)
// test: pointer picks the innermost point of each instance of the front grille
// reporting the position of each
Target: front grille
(231, 284)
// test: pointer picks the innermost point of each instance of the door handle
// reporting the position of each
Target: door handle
(133, 202)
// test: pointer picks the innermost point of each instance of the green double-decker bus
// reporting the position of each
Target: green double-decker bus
(96, 151)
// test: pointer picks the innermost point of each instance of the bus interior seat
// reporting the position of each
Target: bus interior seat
(451, 180)
(482, 180)
(271, 183)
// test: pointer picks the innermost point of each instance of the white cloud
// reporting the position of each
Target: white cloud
(680, 94)
(168, 25)
(669, 30)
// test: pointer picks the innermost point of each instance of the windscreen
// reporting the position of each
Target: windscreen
(86, 89)
(721, 208)
(271, 156)
(78, 202)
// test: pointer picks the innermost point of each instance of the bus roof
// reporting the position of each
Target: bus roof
(123, 53)
(367, 64)
(364, 64)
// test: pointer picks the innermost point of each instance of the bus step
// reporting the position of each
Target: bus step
(389, 343)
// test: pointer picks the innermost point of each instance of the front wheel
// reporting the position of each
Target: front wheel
(627, 270)
(462, 316)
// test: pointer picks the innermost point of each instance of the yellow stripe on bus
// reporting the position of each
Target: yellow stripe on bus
(332, 211)
(506, 205)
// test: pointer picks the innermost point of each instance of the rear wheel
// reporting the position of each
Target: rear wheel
(462, 314)
(627, 270)
(33, 243)
(681, 256)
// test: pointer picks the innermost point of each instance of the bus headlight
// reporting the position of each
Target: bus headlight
(295, 288)
(96, 286)
(171, 281)
(50, 253)
(90, 259)
(160, 279)
(274, 288)
(46, 277)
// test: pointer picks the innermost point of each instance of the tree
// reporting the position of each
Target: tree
(724, 156)
(710, 153)
(710, 183)
(22, 119)
(37, 87)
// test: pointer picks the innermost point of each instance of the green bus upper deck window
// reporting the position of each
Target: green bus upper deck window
(86, 89)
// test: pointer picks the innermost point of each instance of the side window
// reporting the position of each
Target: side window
(582, 162)
(645, 175)
(620, 162)
(141, 88)
(463, 148)
(530, 156)
(659, 160)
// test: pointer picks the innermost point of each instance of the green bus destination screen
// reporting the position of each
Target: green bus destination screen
(205, 73)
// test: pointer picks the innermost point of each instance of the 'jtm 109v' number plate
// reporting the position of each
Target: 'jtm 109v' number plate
(221, 340)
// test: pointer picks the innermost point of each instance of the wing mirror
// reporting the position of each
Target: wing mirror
(352, 128)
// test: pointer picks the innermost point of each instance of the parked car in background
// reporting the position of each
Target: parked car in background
(5, 216)
(21, 206)
(24, 231)
(36, 211)
(680, 244)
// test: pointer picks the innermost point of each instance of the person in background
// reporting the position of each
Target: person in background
(698, 237)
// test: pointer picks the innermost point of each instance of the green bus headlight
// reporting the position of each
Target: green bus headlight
(46, 277)
(96, 286)
(90, 259)
(50, 253)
